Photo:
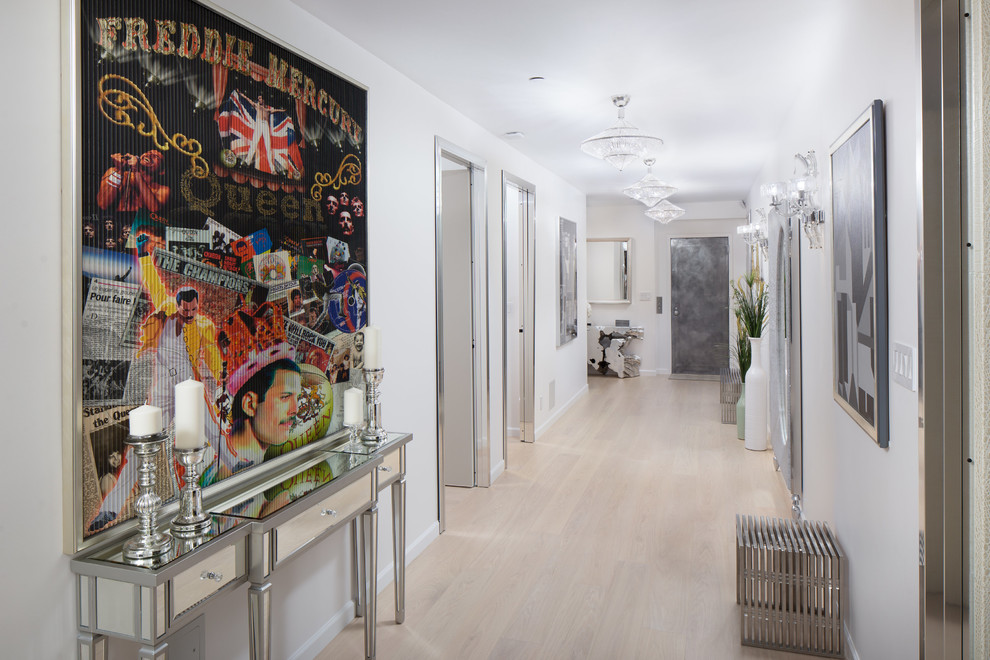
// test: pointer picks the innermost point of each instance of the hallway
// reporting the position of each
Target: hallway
(610, 537)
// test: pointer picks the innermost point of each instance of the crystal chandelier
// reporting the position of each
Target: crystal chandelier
(649, 190)
(663, 211)
(623, 143)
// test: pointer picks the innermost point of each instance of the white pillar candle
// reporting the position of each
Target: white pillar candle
(353, 407)
(190, 414)
(145, 420)
(372, 347)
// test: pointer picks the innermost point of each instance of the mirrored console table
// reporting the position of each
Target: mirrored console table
(610, 350)
(253, 533)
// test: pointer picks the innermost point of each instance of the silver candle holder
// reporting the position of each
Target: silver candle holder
(353, 433)
(373, 432)
(149, 543)
(191, 521)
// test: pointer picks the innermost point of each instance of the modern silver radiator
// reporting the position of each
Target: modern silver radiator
(791, 585)
(730, 389)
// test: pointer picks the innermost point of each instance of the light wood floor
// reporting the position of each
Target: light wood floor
(610, 537)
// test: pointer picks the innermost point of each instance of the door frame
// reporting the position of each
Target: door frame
(528, 317)
(670, 283)
(479, 305)
(942, 365)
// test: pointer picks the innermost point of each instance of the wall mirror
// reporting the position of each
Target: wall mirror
(608, 270)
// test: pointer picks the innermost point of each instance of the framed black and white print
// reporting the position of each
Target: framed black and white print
(566, 281)
(859, 273)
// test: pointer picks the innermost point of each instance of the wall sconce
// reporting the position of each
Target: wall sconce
(755, 233)
(798, 198)
(802, 200)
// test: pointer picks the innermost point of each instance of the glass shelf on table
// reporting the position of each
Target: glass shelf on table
(180, 547)
(365, 449)
(276, 494)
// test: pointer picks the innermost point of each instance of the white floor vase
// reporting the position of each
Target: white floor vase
(756, 399)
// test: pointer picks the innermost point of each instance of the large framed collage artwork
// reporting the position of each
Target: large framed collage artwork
(216, 221)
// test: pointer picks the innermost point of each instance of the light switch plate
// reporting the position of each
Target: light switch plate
(646, 297)
(904, 366)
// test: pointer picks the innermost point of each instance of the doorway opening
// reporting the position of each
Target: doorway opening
(518, 308)
(462, 320)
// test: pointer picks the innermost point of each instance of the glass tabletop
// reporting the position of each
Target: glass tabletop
(272, 497)
(180, 547)
(362, 448)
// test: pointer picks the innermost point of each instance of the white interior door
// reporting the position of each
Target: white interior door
(519, 249)
(457, 328)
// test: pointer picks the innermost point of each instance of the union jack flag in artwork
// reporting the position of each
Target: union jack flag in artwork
(260, 136)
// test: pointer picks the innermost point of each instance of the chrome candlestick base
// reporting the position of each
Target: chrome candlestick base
(353, 433)
(373, 432)
(149, 543)
(191, 521)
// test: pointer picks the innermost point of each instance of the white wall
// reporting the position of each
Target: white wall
(564, 365)
(650, 265)
(38, 610)
(869, 494)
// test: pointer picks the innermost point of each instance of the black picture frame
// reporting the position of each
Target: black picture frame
(859, 273)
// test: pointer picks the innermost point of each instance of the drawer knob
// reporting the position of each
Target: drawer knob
(210, 575)
(385, 468)
(328, 512)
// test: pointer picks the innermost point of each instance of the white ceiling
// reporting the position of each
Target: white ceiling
(713, 79)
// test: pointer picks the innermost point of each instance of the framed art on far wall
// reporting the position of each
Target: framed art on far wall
(859, 272)
(566, 281)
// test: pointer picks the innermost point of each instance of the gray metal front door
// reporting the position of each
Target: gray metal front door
(699, 324)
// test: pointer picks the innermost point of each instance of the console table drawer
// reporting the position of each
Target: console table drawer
(391, 466)
(305, 527)
(207, 577)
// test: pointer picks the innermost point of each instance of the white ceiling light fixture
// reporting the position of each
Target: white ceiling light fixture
(664, 212)
(650, 189)
(623, 143)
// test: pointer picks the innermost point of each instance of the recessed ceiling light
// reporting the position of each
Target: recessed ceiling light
(536, 78)
(514, 135)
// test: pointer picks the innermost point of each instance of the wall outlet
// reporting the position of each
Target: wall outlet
(904, 366)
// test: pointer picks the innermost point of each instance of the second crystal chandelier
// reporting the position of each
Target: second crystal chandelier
(622, 144)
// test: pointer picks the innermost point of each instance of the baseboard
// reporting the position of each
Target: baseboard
(513, 432)
(497, 471)
(313, 646)
(413, 550)
(560, 411)
(851, 653)
(663, 372)
(648, 372)
(416, 548)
